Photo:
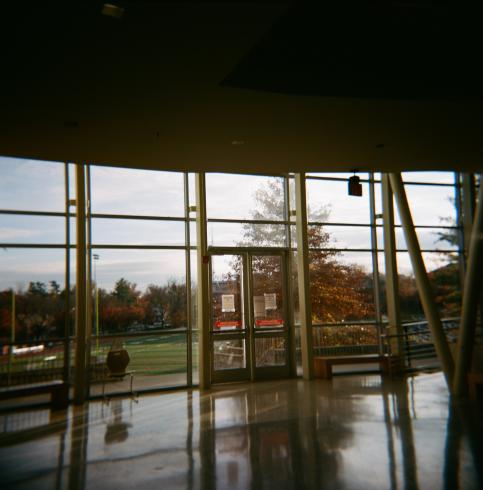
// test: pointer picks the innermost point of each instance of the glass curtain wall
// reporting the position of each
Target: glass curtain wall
(143, 262)
(247, 213)
(141, 252)
(141, 275)
(345, 320)
(36, 293)
(433, 203)
(346, 259)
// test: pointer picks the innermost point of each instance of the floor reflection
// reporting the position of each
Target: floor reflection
(117, 430)
(351, 432)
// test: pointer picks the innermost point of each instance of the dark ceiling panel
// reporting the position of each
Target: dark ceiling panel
(376, 49)
(145, 90)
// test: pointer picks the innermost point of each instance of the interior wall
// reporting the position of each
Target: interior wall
(145, 91)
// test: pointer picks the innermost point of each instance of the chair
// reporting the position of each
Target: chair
(117, 361)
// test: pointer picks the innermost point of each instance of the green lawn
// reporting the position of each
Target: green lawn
(156, 355)
(159, 356)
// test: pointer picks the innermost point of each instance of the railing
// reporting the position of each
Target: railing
(29, 362)
(418, 344)
(156, 354)
(351, 338)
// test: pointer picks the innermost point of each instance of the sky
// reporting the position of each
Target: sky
(39, 186)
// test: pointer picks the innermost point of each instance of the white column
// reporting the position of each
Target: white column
(81, 291)
(203, 293)
(306, 336)
(396, 344)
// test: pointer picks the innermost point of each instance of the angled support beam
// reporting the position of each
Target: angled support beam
(203, 293)
(422, 280)
(306, 335)
(395, 330)
(471, 295)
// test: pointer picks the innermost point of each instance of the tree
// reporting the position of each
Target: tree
(54, 288)
(339, 292)
(37, 287)
(125, 292)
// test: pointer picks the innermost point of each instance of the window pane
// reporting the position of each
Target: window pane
(192, 189)
(246, 234)
(433, 177)
(139, 290)
(137, 232)
(328, 201)
(430, 205)
(226, 286)
(244, 197)
(29, 185)
(431, 239)
(268, 300)
(31, 229)
(378, 200)
(339, 237)
(193, 234)
(443, 239)
(136, 192)
(31, 362)
(270, 351)
(444, 276)
(229, 354)
(445, 280)
(34, 280)
(343, 340)
(157, 361)
(341, 286)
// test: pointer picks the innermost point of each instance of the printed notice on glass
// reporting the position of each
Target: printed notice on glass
(227, 303)
(258, 306)
(270, 301)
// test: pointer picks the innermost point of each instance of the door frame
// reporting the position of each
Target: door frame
(251, 372)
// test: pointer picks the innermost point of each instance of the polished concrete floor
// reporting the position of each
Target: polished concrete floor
(354, 432)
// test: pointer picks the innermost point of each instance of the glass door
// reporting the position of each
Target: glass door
(268, 318)
(230, 349)
(249, 328)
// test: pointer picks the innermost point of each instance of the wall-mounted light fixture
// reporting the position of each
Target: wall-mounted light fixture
(355, 186)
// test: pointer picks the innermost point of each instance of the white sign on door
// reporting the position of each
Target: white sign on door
(270, 301)
(227, 303)
(259, 306)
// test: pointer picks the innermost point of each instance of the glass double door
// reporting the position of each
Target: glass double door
(249, 327)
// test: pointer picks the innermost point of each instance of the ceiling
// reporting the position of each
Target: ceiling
(247, 86)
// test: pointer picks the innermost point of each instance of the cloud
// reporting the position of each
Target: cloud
(15, 234)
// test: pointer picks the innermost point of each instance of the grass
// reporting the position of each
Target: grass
(156, 355)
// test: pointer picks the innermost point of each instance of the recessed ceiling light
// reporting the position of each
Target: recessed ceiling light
(112, 10)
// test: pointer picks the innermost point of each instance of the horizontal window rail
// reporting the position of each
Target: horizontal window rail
(97, 246)
(249, 221)
(376, 181)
